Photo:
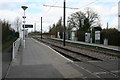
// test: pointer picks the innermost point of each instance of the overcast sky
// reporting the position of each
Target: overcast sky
(10, 9)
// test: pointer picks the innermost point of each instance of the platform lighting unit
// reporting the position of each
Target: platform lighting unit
(24, 8)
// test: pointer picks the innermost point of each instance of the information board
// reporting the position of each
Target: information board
(97, 35)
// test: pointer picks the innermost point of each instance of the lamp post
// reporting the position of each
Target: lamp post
(24, 8)
(64, 12)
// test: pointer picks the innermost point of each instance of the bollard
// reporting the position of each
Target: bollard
(24, 43)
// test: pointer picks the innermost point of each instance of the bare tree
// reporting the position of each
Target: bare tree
(92, 16)
(83, 20)
(75, 20)
(18, 23)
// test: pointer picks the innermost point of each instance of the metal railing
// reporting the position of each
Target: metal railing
(16, 46)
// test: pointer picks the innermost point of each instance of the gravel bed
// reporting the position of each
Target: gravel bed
(84, 51)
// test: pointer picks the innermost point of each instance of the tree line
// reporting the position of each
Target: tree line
(8, 33)
(85, 22)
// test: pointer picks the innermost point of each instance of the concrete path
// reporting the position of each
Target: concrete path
(37, 60)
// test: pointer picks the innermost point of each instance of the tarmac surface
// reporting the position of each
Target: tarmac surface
(38, 60)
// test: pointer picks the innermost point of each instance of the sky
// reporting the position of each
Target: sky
(11, 9)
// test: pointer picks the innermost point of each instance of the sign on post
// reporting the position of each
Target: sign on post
(97, 35)
(27, 26)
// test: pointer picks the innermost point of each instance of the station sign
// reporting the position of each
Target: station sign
(27, 26)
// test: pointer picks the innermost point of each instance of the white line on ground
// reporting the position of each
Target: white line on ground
(87, 71)
(107, 72)
(52, 49)
(93, 61)
(116, 71)
(101, 72)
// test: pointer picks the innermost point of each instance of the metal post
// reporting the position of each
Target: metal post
(107, 25)
(91, 35)
(24, 30)
(64, 22)
(35, 27)
(41, 27)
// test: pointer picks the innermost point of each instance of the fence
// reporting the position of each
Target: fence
(16, 46)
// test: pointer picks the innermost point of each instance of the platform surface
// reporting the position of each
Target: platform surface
(37, 60)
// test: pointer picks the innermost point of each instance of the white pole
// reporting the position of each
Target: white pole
(91, 36)
(24, 31)
(13, 54)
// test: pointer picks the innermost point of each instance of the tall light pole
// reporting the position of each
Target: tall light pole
(64, 10)
(24, 8)
(119, 15)
(64, 15)
(41, 28)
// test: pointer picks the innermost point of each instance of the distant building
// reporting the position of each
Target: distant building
(119, 15)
